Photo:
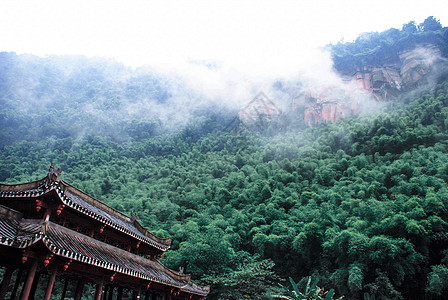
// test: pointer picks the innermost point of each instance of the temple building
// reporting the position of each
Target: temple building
(50, 229)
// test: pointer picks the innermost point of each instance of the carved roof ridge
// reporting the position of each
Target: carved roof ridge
(17, 232)
(174, 274)
(12, 187)
(114, 212)
(92, 200)
(104, 213)
(106, 256)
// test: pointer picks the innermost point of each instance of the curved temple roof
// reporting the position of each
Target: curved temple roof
(67, 243)
(86, 204)
(15, 233)
(22, 233)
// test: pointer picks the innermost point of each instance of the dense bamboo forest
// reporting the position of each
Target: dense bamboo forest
(361, 203)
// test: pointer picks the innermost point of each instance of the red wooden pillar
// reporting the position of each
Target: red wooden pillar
(79, 289)
(5, 282)
(99, 289)
(50, 283)
(34, 286)
(29, 280)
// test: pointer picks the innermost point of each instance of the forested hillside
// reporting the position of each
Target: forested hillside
(361, 204)
(72, 96)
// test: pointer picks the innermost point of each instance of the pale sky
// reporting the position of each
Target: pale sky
(248, 35)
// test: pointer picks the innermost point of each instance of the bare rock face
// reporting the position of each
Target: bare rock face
(381, 83)
(386, 82)
(330, 111)
(418, 63)
(331, 102)
(330, 105)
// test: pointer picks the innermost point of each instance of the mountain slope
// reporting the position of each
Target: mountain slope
(362, 202)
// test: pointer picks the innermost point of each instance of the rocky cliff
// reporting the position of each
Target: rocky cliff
(414, 68)
(330, 104)
(388, 80)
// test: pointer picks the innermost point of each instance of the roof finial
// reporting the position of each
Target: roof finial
(133, 216)
(53, 174)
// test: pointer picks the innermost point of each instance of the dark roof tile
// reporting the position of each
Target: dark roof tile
(111, 220)
(73, 245)
(87, 205)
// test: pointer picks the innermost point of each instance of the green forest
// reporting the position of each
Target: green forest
(360, 204)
